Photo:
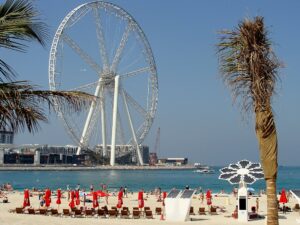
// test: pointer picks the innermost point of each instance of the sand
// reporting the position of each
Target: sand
(16, 200)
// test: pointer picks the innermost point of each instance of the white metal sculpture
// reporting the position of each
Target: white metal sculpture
(120, 71)
(243, 172)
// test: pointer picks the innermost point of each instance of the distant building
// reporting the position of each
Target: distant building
(50, 154)
(153, 160)
(145, 153)
(6, 137)
(125, 154)
(174, 161)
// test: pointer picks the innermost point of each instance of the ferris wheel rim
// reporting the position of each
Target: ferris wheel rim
(148, 55)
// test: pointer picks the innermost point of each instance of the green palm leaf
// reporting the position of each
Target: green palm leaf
(21, 104)
(18, 23)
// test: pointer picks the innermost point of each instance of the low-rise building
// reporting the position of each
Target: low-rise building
(174, 161)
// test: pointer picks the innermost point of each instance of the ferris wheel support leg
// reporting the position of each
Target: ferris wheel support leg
(88, 119)
(114, 123)
(132, 131)
(103, 122)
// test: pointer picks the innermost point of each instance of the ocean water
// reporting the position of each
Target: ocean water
(288, 178)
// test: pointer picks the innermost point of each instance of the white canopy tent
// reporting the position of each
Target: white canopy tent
(296, 194)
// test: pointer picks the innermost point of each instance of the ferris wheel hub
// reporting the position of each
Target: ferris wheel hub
(108, 79)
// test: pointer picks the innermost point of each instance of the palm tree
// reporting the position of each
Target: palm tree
(20, 102)
(249, 68)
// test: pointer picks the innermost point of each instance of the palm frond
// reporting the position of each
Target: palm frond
(7, 71)
(19, 23)
(21, 104)
(248, 64)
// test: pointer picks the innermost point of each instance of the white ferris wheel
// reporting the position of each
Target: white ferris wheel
(100, 49)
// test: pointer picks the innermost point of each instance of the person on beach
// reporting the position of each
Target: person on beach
(257, 204)
(235, 192)
(202, 197)
(120, 198)
(104, 189)
(125, 192)
(40, 195)
(2, 195)
(141, 199)
(68, 190)
(158, 195)
(84, 197)
(235, 213)
(8, 187)
(92, 188)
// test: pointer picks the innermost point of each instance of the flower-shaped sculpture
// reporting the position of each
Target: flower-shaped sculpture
(243, 171)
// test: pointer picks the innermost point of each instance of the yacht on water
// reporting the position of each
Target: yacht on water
(204, 169)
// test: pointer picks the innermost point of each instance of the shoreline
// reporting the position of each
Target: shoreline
(89, 168)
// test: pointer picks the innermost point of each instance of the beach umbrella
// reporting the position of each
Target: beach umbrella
(283, 198)
(58, 201)
(250, 189)
(208, 197)
(99, 193)
(120, 199)
(164, 196)
(47, 197)
(141, 199)
(102, 193)
(95, 200)
(208, 194)
(26, 198)
(77, 202)
(72, 203)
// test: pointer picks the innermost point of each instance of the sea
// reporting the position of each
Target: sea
(135, 180)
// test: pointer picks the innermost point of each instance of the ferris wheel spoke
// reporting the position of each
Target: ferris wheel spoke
(85, 86)
(121, 47)
(135, 72)
(101, 39)
(86, 58)
(138, 131)
(135, 104)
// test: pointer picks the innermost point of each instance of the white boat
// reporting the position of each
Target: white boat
(201, 167)
(205, 171)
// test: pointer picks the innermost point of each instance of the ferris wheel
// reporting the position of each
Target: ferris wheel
(100, 49)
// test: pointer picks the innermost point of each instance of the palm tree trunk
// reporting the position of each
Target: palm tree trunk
(272, 204)
(267, 139)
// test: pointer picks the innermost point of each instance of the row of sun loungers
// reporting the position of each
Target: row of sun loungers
(104, 212)
(202, 211)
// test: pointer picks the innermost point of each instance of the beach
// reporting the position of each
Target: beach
(228, 201)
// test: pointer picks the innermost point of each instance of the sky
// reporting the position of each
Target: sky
(195, 111)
